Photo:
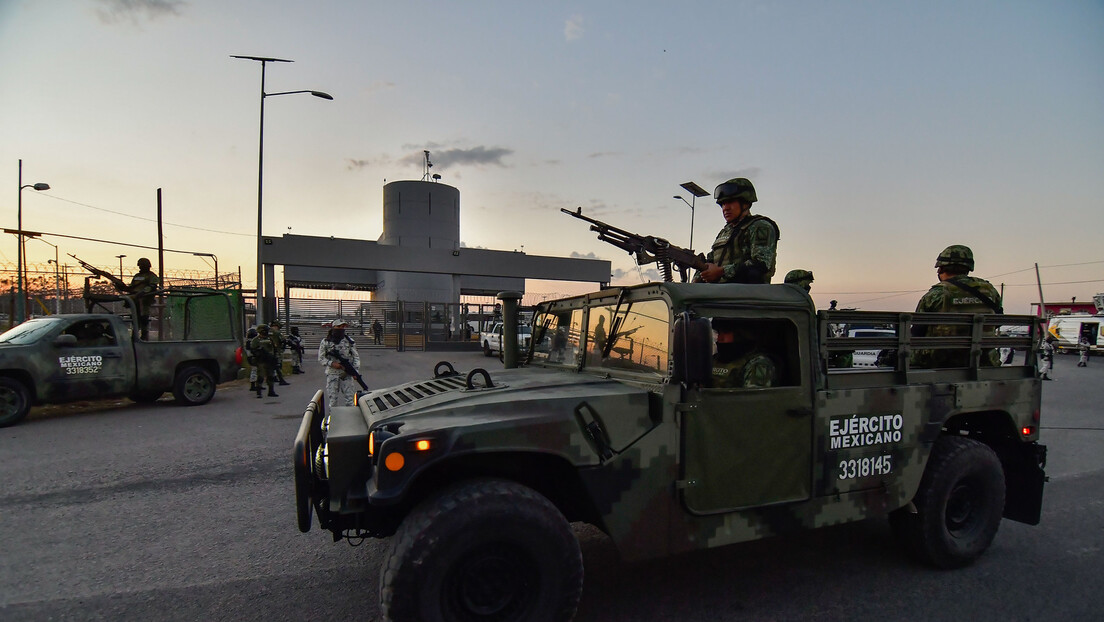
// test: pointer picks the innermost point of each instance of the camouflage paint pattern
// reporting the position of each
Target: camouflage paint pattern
(121, 365)
(668, 467)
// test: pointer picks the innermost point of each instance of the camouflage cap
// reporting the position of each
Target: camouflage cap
(738, 188)
(276, 323)
(801, 278)
(339, 323)
(956, 255)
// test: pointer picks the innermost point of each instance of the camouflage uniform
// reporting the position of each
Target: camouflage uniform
(295, 342)
(746, 249)
(281, 345)
(752, 370)
(340, 387)
(142, 289)
(953, 296)
(264, 352)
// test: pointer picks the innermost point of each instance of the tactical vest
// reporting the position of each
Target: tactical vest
(726, 248)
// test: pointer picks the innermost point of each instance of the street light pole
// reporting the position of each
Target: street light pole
(695, 191)
(120, 258)
(21, 307)
(260, 171)
(57, 279)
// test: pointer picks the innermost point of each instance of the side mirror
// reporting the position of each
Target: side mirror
(693, 350)
(65, 340)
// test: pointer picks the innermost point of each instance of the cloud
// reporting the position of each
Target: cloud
(573, 28)
(357, 164)
(477, 156)
(632, 277)
(578, 255)
(115, 11)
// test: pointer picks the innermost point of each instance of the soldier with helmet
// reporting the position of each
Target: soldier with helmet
(746, 247)
(142, 289)
(800, 278)
(340, 387)
(739, 362)
(264, 353)
(281, 345)
(956, 292)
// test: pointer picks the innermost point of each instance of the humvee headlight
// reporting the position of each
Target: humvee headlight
(394, 461)
(422, 445)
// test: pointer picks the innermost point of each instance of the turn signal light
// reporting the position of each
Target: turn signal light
(1027, 431)
(422, 445)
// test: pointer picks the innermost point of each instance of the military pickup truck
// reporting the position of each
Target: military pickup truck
(63, 358)
(623, 419)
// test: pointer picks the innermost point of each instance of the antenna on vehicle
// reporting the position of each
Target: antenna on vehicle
(428, 165)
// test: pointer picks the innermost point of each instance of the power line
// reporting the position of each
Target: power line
(101, 209)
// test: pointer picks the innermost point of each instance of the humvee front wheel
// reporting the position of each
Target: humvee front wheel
(193, 386)
(483, 550)
(958, 506)
(15, 401)
(487, 351)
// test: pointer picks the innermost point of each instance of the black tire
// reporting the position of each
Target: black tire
(193, 386)
(487, 351)
(145, 397)
(483, 550)
(15, 401)
(958, 505)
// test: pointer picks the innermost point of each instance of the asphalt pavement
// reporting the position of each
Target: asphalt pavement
(158, 512)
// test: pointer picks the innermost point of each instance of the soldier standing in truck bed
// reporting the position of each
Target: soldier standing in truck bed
(747, 246)
(956, 292)
(142, 289)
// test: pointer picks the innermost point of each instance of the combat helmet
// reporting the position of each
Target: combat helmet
(801, 278)
(738, 188)
(956, 255)
(263, 329)
(144, 263)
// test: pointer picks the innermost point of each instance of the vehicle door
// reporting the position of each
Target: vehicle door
(745, 445)
(91, 361)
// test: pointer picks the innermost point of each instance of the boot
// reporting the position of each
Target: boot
(258, 391)
(280, 378)
(295, 369)
(271, 393)
(253, 386)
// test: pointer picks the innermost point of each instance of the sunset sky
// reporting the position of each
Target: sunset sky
(876, 133)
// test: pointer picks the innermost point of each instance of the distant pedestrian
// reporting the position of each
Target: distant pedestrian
(1083, 348)
(1046, 357)
(377, 332)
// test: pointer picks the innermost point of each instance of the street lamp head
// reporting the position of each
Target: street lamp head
(41, 186)
(322, 95)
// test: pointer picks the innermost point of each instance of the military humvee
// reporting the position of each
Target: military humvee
(63, 358)
(620, 419)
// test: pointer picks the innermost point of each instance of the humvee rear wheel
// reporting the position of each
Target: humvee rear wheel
(483, 550)
(15, 401)
(958, 506)
(194, 385)
(487, 348)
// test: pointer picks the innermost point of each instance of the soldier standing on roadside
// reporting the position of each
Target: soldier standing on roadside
(340, 387)
(1046, 356)
(280, 344)
(747, 246)
(264, 351)
(295, 342)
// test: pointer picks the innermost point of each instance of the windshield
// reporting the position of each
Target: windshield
(29, 331)
(558, 337)
(634, 338)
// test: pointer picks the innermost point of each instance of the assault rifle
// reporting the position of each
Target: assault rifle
(349, 369)
(119, 284)
(647, 248)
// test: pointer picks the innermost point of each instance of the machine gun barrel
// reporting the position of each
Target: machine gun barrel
(348, 366)
(646, 248)
(101, 273)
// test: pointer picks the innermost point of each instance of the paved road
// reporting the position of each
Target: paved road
(165, 513)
